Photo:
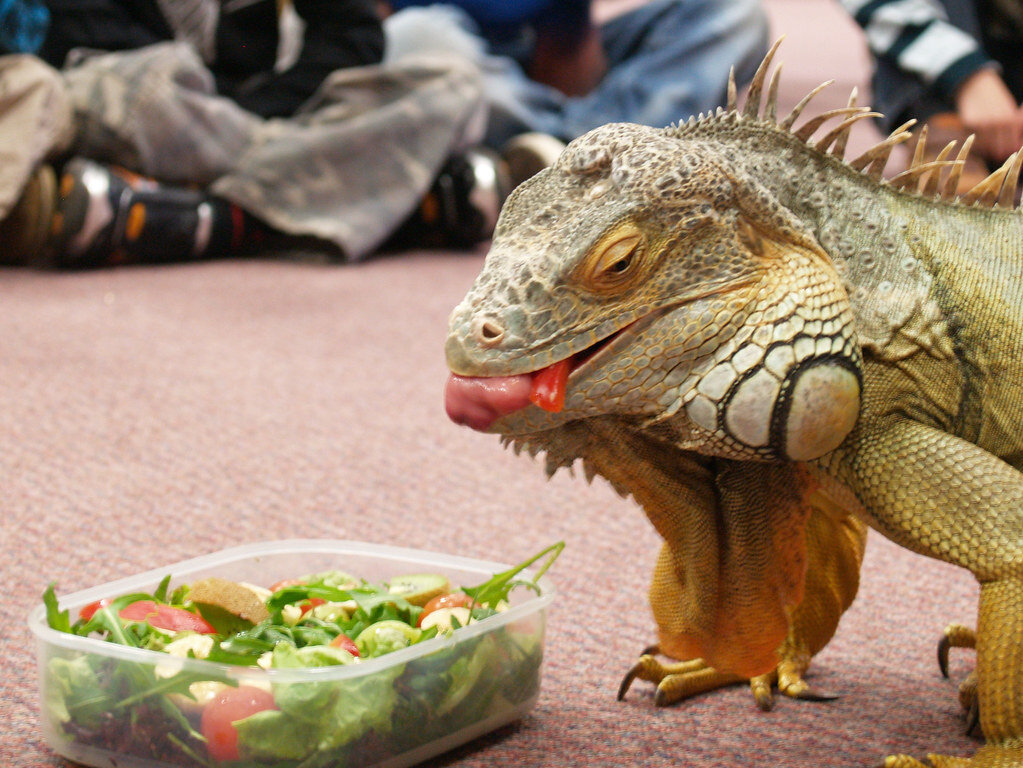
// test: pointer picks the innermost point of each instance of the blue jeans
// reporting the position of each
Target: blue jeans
(667, 60)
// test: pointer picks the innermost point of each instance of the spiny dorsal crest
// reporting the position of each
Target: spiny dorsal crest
(923, 177)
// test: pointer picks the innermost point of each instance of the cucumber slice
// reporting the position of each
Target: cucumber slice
(419, 588)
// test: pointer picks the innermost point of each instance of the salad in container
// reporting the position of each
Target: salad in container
(292, 654)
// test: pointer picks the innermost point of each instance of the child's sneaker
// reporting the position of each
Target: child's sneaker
(471, 189)
(461, 208)
(529, 153)
(109, 216)
(25, 232)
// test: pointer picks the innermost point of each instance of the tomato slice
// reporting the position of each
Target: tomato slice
(346, 643)
(220, 714)
(310, 603)
(88, 611)
(450, 600)
(166, 617)
(549, 384)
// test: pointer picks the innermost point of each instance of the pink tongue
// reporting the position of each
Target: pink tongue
(478, 402)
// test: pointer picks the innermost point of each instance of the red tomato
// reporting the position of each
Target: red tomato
(286, 583)
(345, 643)
(450, 600)
(308, 605)
(89, 610)
(166, 617)
(548, 388)
(219, 716)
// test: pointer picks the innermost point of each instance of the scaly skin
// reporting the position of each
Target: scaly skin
(767, 341)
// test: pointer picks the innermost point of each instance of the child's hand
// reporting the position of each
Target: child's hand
(989, 110)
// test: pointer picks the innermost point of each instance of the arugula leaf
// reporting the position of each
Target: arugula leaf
(160, 595)
(56, 618)
(176, 683)
(299, 592)
(500, 585)
(371, 598)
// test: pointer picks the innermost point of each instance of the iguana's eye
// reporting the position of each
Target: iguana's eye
(615, 261)
(621, 256)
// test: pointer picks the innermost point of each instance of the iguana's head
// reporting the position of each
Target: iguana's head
(669, 287)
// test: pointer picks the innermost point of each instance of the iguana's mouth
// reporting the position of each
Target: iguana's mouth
(479, 401)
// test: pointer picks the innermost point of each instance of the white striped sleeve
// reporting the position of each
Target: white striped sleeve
(917, 36)
(936, 50)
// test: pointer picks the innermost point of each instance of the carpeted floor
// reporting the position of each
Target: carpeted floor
(150, 415)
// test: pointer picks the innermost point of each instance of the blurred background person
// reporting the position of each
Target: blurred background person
(956, 65)
(181, 130)
(555, 69)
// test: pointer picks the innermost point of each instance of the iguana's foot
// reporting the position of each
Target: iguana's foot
(988, 756)
(680, 680)
(959, 636)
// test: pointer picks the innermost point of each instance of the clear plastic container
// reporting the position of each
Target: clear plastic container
(432, 696)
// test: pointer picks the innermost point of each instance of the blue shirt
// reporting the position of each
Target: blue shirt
(503, 20)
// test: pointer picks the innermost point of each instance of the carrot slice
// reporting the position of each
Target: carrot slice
(549, 384)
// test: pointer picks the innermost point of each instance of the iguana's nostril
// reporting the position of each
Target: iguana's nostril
(489, 332)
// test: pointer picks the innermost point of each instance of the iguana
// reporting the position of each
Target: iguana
(769, 346)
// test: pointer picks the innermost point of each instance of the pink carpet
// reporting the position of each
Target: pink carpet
(151, 415)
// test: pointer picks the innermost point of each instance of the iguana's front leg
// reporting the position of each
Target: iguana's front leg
(947, 498)
(834, 546)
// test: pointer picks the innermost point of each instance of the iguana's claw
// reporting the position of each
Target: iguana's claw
(812, 694)
(636, 671)
(972, 716)
(954, 636)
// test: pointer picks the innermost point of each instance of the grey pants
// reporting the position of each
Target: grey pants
(348, 168)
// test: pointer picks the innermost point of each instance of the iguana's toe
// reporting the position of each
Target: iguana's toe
(788, 677)
(954, 636)
(675, 681)
(959, 636)
(933, 761)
